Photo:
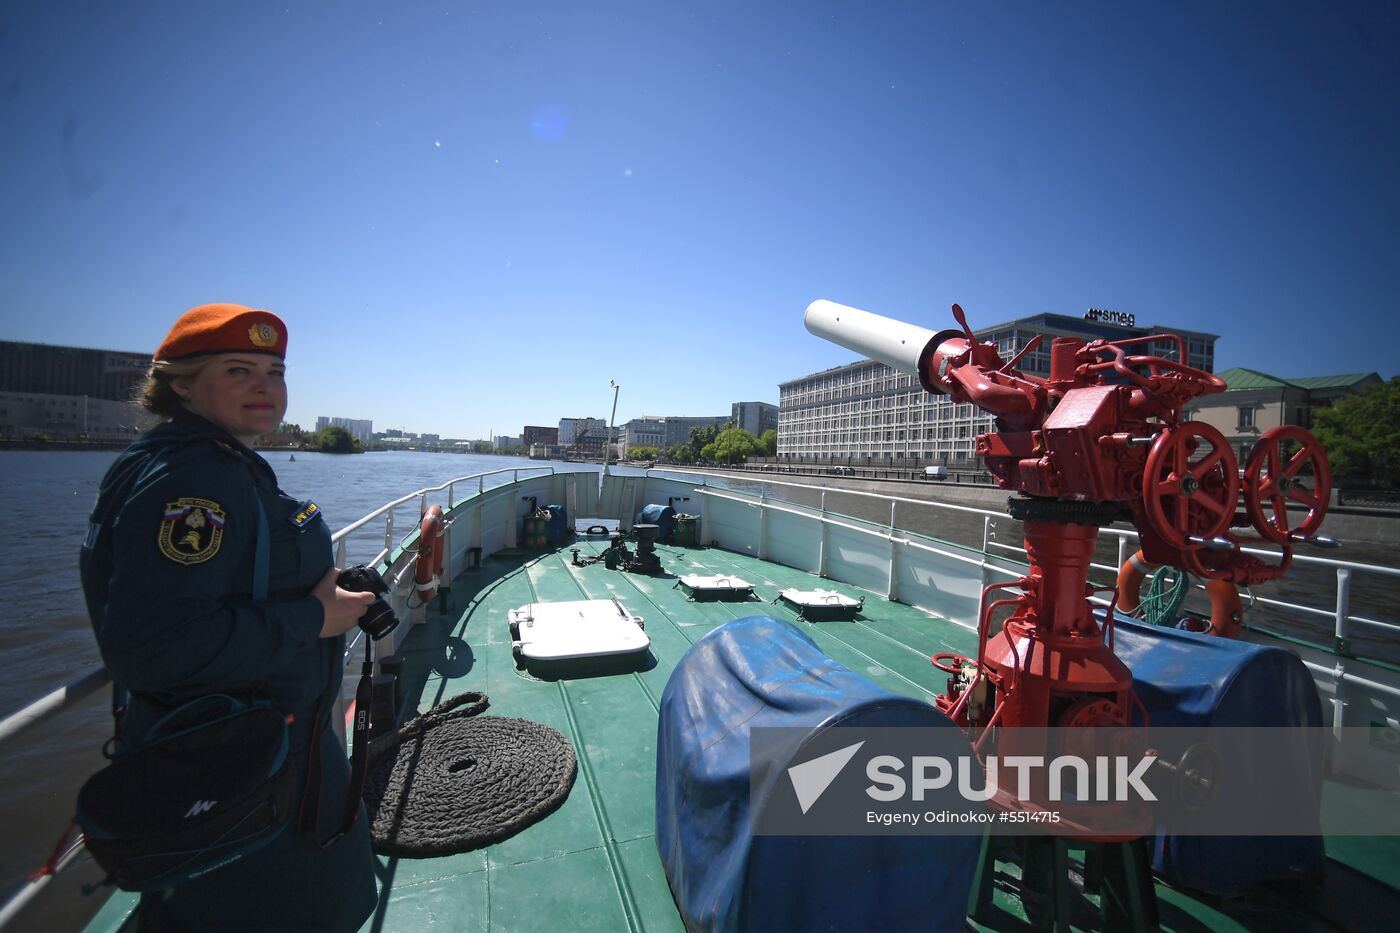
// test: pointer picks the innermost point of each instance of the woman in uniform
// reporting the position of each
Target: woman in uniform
(168, 574)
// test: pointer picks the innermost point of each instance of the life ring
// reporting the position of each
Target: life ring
(428, 573)
(1130, 576)
(1226, 612)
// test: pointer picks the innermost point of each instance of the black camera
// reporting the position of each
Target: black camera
(378, 620)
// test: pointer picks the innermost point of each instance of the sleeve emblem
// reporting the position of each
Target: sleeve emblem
(191, 530)
(304, 514)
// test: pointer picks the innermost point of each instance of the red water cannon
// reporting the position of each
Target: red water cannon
(1101, 439)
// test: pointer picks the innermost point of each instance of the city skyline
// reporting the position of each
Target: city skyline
(471, 216)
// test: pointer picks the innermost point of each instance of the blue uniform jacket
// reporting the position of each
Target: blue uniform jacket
(168, 578)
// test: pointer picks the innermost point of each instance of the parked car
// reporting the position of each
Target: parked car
(842, 471)
(935, 472)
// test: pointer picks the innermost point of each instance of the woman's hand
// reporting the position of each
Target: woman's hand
(343, 608)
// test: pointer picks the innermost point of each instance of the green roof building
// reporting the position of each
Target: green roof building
(1256, 402)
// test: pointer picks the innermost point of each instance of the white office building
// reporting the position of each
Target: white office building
(358, 428)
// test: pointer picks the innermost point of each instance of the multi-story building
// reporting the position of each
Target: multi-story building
(358, 428)
(571, 429)
(754, 417)
(71, 392)
(534, 434)
(642, 432)
(27, 414)
(1256, 402)
(869, 410)
(53, 370)
(678, 426)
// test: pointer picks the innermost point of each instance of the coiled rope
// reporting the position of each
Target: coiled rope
(1163, 601)
(451, 781)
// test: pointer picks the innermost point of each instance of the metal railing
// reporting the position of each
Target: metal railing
(387, 510)
(1345, 571)
(1369, 498)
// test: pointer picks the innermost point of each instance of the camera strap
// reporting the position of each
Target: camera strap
(359, 761)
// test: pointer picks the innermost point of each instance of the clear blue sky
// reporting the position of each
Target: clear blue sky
(473, 216)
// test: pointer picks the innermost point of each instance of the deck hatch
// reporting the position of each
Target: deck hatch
(584, 628)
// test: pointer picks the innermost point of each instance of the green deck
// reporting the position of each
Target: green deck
(593, 864)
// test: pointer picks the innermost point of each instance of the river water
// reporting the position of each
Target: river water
(45, 639)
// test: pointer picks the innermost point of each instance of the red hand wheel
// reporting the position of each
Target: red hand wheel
(1275, 476)
(1190, 484)
(950, 663)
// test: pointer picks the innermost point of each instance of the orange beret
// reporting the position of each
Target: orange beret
(224, 328)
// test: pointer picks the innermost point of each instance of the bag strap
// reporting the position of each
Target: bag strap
(158, 731)
(261, 553)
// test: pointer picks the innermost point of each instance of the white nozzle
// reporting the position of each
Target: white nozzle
(881, 338)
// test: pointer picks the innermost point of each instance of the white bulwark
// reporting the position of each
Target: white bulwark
(869, 410)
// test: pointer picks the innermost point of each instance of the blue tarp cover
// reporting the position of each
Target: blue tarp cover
(762, 672)
(662, 516)
(1192, 680)
(557, 531)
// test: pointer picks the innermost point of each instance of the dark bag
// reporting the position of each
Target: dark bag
(210, 783)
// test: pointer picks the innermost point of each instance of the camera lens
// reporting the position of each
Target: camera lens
(378, 620)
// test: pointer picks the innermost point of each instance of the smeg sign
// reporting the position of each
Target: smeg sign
(1110, 317)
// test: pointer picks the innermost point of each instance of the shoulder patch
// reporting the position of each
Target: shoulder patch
(191, 530)
(304, 514)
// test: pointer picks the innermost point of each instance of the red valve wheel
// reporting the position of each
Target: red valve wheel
(949, 663)
(1186, 498)
(1272, 479)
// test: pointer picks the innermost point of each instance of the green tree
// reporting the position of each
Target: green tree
(642, 453)
(1362, 436)
(769, 440)
(335, 440)
(701, 438)
(733, 445)
(680, 453)
(289, 429)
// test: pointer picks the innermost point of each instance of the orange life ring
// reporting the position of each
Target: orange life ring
(1225, 608)
(1226, 613)
(428, 573)
(1130, 576)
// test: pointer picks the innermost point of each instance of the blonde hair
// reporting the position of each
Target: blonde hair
(157, 394)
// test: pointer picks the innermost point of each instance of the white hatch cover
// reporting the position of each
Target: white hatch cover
(586, 628)
(821, 601)
(718, 585)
